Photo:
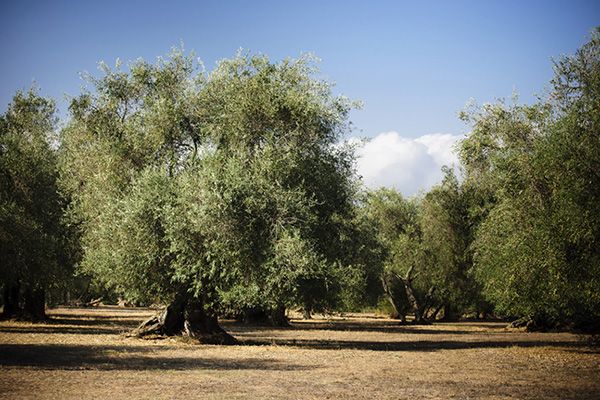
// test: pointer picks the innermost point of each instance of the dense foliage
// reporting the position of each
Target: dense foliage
(227, 187)
(229, 193)
(536, 252)
(427, 266)
(34, 239)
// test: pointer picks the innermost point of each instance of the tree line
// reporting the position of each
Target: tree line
(229, 194)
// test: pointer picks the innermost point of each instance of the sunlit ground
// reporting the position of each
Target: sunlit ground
(84, 353)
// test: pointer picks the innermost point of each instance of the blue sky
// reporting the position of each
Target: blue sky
(413, 64)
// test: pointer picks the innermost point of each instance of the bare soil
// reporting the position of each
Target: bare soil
(85, 354)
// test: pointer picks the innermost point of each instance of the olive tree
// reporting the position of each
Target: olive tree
(536, 251)
(199, 189)
(279, 188)
(405, 258)
(34, 239)
(447, 228)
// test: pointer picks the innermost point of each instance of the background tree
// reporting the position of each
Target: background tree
(425, 251)
(34, 240)
(536, 252)
(405, 259)
(366, 254)
(447, 234)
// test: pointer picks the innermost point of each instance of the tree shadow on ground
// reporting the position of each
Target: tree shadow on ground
(94, 322)
(416, 345)
(91, 316)
(78, 326)
(563, 390)
(51, 329)
(72, 357)
(383, 327)
(261, 335)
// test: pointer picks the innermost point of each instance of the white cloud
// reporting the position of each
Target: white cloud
(407, 164)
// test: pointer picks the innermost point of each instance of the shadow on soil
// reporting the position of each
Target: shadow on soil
(70, 357)
(77, 326)
(148, 357)
(383, 327)
(49, 329)
(103, 324)
(418, 345)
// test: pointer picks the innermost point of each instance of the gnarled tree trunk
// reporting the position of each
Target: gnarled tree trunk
(397, 309)
(186, 316)
(278, 317)
(427, 303)
(203, 326)
(449, 314)
(264, 316)
(389, 295)
(436, 312)
(535, 323)
(419, 308)
(306, 313)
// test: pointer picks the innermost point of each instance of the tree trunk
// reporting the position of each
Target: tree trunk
(35, 304)
(410, 294)
(436, 312)
(536, 323)
(427, 303)
(278, 317)
(11, 301)
(186, 316)
(412, 299)
(417, 306)
(29, 305)
(204, 327)
(167, 323)
(254, 316)
(265, 316)
(396, 308)
(449, 314)
(306, 313)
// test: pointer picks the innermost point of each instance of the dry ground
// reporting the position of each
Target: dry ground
(83, 354)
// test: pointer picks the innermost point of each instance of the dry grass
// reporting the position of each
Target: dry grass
(82, 353)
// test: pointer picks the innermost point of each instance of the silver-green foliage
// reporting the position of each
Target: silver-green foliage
(33, 236)
(207, 182)
(536, 252)
(447, 234)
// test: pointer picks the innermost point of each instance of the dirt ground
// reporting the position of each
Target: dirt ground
(84, 354)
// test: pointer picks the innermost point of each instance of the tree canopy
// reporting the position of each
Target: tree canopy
(34, 240)
(231, 193)
(536, 252)
(227, 186)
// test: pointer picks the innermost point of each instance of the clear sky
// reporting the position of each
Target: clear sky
(413, 64)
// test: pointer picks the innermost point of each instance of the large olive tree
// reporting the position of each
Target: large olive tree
(197, 189)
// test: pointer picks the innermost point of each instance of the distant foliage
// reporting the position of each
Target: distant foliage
(427, 269)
